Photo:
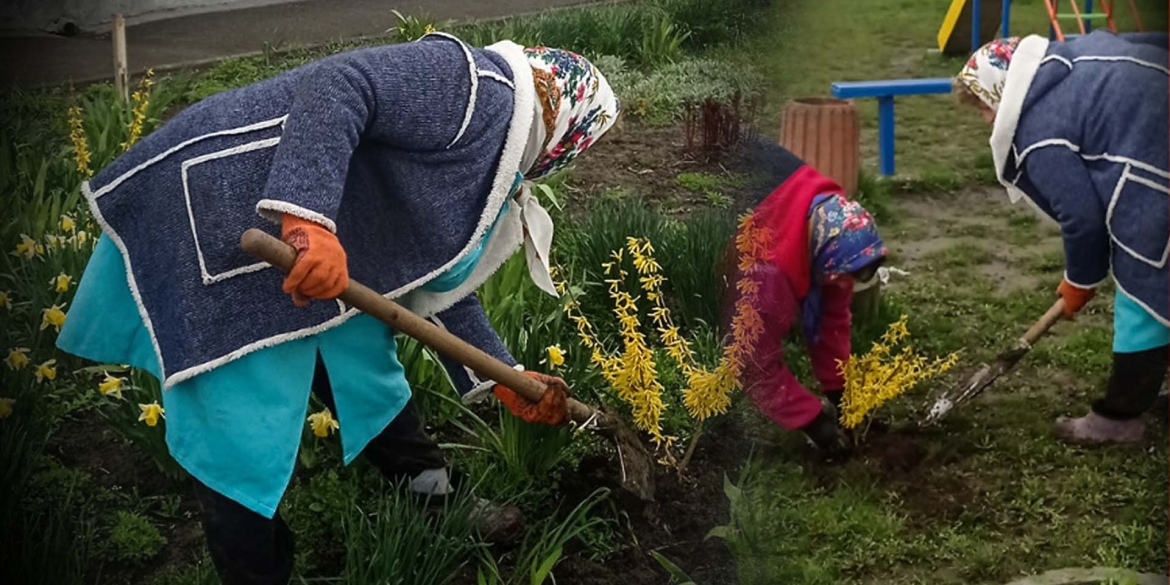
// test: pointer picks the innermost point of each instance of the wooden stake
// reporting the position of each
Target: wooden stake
(121, 69)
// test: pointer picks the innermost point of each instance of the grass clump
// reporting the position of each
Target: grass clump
(133, 538)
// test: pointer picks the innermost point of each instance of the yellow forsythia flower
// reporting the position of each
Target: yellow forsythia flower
(60, 283)
(6, 407)
(27, 247)
(17, 358)
(111, 386)
(80, 145)
(5, 299)
(141, 100)
(323, 423)
(46, 371)
(556, 356)
(884, 373)
(151, 413)
(67, 224)
(53, 316)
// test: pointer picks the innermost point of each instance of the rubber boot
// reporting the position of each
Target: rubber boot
(493, 521)
(1094, 429)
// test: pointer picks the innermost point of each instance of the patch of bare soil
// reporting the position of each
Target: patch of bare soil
(89, 443)
(675, 525)
(647, 160)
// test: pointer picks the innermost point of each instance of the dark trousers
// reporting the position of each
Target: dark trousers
(1134, 384)
(249, 549)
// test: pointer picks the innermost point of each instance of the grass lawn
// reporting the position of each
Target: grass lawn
(989, 495)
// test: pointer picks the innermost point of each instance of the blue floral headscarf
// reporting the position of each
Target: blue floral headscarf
(844, 240)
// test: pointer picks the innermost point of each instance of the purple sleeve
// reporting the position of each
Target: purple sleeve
(833, 346)
(765, 378)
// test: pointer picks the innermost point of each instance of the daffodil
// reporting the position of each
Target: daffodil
(80, 237)
(47, 371)
(27, 247)
(17, 358)
(556, 356)
(67, 224)
(111, 386)
(151, 413)
(5, 299)
(60, 283)
(323, 423)
(53, 316)
(6, 407)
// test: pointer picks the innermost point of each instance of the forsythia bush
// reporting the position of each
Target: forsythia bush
(884, 373)
(632, 371)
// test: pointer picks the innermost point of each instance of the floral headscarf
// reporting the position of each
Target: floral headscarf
(575, 107)
(844, 240)
(986, 72)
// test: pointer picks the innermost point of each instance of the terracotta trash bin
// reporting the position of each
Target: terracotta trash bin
(825, 133)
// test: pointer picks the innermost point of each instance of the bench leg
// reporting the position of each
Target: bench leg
(886, 134)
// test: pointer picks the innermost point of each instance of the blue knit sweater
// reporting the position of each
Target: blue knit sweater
(402, 150)
(1090, 150)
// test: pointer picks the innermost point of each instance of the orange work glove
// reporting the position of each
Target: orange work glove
(1075, 298)
(320, 271)
(553, 408)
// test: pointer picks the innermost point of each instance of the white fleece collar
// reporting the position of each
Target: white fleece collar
(1022, 70)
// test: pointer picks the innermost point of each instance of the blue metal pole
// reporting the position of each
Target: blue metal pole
(886, 134)
(1088, 21)
(976, 12)
(1007, 16)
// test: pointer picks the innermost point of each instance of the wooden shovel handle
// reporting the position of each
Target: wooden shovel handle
(282, 256)
(1045, 323)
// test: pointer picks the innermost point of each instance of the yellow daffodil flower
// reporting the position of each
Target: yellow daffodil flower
(111, 386)
(53, 316)
(6, 407)
(151, 413)
(67, 224)
(5, 299)
(60, 283)
(17, 358)
(40, 250)
(47, 371)
(556, 356)
(80, 237)
(323, 423)
(27, 247)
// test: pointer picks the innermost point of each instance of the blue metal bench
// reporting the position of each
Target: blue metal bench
(885, 91)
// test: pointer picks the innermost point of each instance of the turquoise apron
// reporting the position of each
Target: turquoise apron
(237, 428)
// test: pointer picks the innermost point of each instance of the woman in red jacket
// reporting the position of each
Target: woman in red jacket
(798, 254)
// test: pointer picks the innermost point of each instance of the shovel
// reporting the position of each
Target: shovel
(986, 374)
(637, 465)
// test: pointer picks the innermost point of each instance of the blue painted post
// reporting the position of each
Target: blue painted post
(1007, 16)
(1088, 21)
(975, 18)
(886, 134)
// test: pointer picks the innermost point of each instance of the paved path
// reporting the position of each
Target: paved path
(33, 61)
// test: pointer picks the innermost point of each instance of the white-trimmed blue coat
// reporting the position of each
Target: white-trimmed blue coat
(1081, 133)
(407, 152)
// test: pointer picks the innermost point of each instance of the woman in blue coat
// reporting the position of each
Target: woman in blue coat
(1080, 133)
(403, 166)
